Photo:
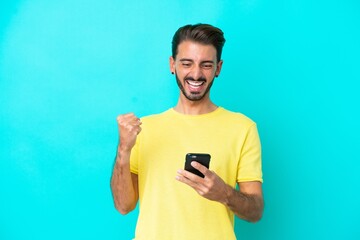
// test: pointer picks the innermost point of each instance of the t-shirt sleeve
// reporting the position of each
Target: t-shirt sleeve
(249, 168)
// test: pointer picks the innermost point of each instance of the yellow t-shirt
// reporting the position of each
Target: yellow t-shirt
(170, 209)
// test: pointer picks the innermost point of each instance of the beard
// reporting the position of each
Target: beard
(193, 96)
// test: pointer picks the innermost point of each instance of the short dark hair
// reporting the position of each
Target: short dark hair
(201, 33)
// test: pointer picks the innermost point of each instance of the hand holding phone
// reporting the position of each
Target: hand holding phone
(202, 158)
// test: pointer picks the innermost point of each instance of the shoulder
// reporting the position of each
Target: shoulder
(237, 118)
(156, 118)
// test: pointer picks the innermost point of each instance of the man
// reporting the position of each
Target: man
(175, 203)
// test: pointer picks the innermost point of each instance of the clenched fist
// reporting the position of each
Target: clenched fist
(129, 128)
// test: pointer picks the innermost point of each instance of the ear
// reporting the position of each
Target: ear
(172, 64)
(218, 68)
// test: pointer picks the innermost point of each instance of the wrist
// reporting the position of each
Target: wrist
(228, 193)
(123, 150)
(123, 155)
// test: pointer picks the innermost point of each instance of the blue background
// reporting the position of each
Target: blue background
(68, 68)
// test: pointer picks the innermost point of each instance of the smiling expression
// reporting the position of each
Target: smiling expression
(195, 67)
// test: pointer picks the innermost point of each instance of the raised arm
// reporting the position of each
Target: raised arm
(124, 184)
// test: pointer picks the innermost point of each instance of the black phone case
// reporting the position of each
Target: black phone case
(202, 158)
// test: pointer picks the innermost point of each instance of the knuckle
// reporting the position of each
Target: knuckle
(203, 192)
(120, 118)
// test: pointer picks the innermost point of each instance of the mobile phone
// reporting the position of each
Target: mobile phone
(202, 158)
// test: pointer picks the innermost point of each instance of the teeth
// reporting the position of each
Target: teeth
(195, 83)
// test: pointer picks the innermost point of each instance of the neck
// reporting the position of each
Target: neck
(188, 107)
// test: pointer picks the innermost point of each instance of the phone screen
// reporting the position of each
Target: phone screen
(202, 158)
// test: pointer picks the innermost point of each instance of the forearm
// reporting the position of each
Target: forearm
(122, 185)
(246, 206)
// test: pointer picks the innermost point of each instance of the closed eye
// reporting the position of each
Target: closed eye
(208, 66)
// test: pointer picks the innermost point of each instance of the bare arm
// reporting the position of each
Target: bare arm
(124, 184)
(246, 204)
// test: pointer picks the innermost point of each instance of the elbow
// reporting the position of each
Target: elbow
(256, 214)
(255, 218)
(121, 205)
(123, 209)
(251, 217)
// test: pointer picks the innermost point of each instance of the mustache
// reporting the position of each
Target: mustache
(202, 79)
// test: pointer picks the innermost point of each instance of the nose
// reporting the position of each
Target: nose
(197, 73)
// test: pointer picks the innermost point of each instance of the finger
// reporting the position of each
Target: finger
(138, 130)
(136, 121)
(127, 117)
(187, 178)
(124, 117)
(184, 178)
(189, 175)
(129, 121)
(130, 114)
(204, 170)
(133, 128)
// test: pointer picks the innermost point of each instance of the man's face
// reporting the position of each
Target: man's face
(195, 67)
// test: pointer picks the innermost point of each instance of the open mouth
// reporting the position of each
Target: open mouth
(195, 85)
